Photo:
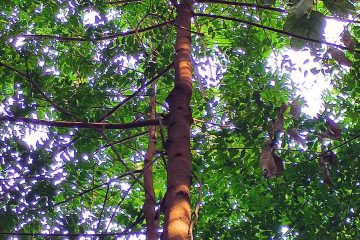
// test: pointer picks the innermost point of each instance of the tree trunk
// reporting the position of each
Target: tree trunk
(150, 203)
(177, 201)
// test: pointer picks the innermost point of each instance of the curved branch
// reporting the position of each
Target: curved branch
(250, 5)
(271, 29)
(38, 88)
(280, 10)
(11, 68)
(102, 38)
(91, 125)
(124, 2)
(65, 111)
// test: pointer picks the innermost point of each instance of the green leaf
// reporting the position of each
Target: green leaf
(73, 179)
(309, 26)
(301, 8)
(342, 8)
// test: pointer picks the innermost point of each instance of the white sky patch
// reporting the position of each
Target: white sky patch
(284, 229)
(20, 41)
(113, 14)
(41, 63)
(310, 87)
(62, 15)
(53, 71)
(125, 62)
(208, 70)
(333, 30)
(135, 237)
(207, 67)
(32, 137)
(92, 18)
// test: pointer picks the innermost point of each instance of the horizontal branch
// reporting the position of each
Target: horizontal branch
(124, 2)
(271, 29)
(92, 125)
(102, 38)
(249, 148)
(242, 4)
(69, 234)
(280, 10)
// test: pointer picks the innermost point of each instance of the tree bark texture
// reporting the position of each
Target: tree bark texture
(150, 203)
(176, 206)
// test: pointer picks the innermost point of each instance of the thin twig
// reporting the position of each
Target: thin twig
(37, 88)
(124, 2)
(47, 235)
(127, 193)
(163, 72)
(90, 125)
(119, 204)
(103, 207)
(322, 153)
(163, 143)
(122, 140)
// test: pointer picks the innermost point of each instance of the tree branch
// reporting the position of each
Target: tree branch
(271, 29)
(91, 125)
(38, 88)
(163, 72)
(65, 111)
(18, 72)
(102, 38)
(150, 202)
(322, 153)
(103, 207)
(124, 2)
(280, 10)
(96, 187)
(122, 140)
(250, 5)
(69, 234)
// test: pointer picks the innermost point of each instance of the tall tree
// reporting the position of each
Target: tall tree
(177, 208)
(178, 120)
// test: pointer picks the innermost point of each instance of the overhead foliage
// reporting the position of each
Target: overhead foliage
(77, 79)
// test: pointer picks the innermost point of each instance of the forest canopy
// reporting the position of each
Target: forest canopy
(179, 119)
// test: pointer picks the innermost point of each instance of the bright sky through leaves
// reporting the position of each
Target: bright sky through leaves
(311, 87)
(57, 55)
